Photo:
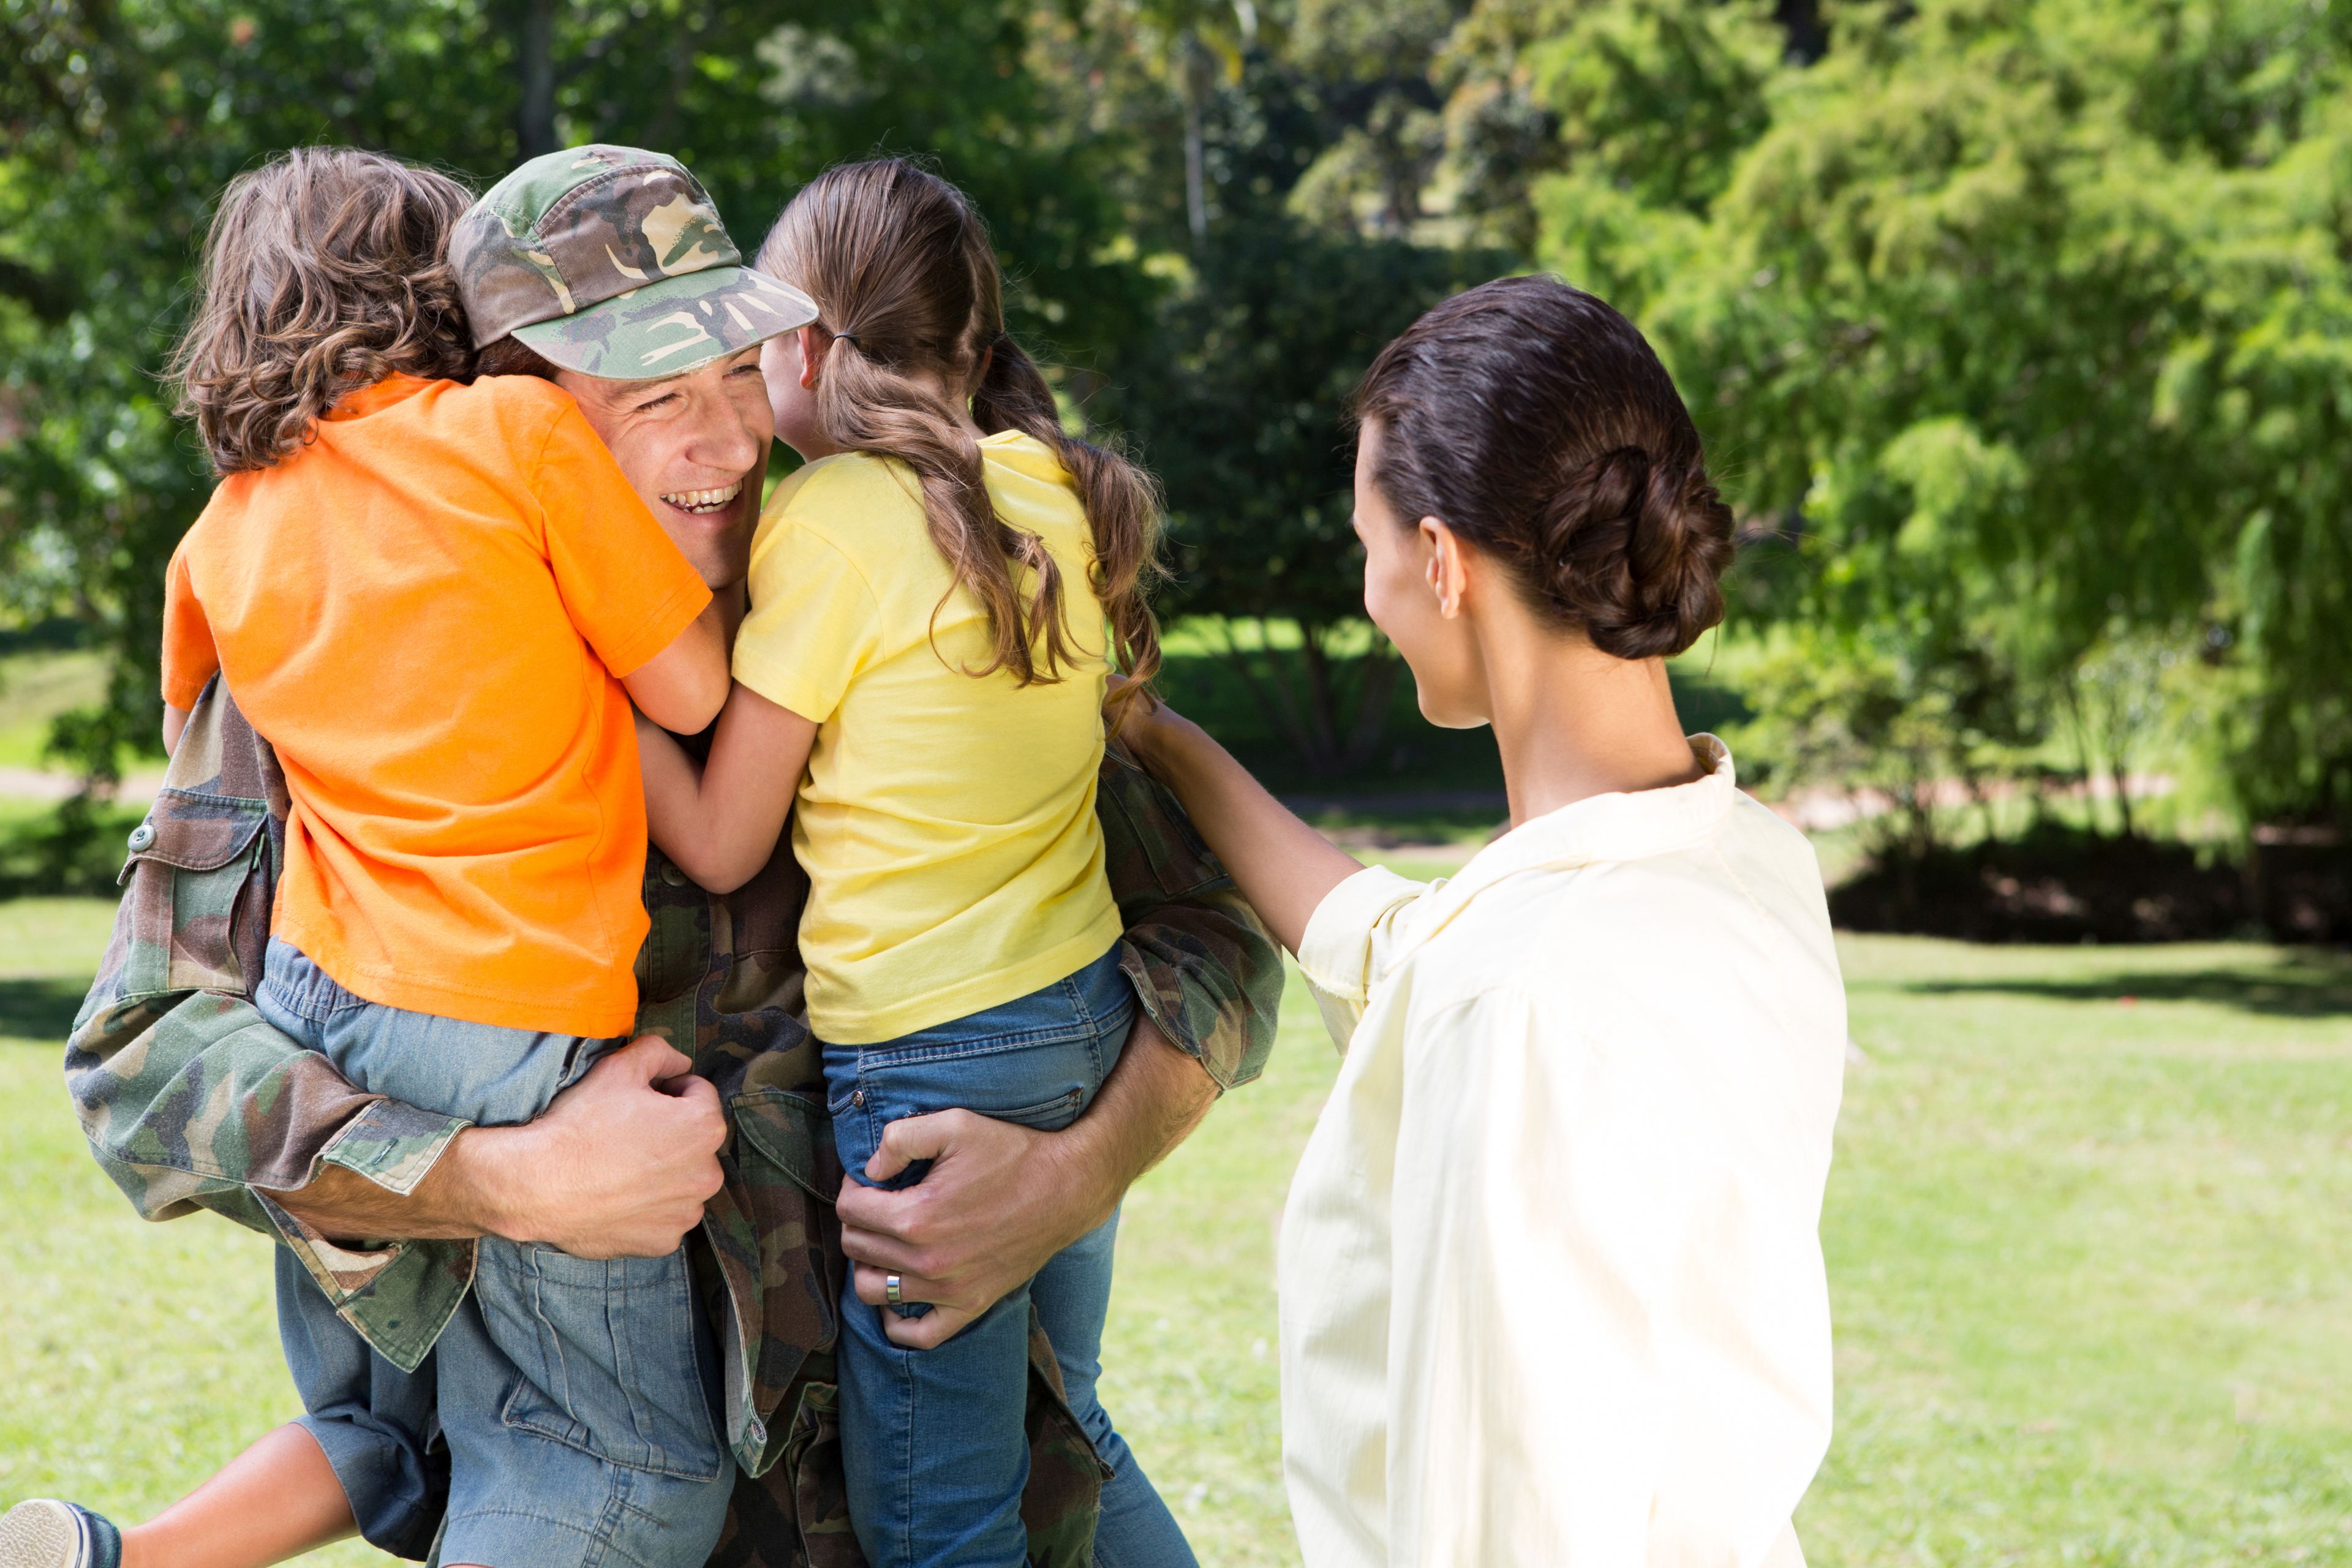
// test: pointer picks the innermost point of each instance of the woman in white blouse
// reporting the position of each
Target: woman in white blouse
(1552, 1285)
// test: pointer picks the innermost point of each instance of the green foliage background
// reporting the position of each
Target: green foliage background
(2024, 324)
(2018, 327)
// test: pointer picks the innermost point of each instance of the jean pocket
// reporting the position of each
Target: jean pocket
(1047, 1116)
(1044, 1086)
(606, 1349)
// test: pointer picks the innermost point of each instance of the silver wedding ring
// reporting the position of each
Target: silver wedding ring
(890, 1290)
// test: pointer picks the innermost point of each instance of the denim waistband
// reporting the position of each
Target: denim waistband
(300, 986)
(1082, 1005)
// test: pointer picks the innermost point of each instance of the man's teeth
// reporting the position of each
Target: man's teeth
(703, 501)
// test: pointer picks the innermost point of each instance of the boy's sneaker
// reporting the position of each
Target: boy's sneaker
(46, 1533)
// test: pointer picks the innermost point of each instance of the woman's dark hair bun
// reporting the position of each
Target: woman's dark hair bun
(1538, 425)
(1631, 550)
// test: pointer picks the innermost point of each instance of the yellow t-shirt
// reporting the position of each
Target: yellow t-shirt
(947, 823)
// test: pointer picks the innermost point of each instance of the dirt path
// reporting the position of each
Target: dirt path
(40, 784)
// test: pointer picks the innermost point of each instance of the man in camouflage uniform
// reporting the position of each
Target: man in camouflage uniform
(616, 260)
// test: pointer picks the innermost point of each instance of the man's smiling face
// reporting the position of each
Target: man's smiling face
(694, 447)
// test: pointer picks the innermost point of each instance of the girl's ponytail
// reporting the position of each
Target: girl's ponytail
(1122, 503)
(903, 274)
(868, 407)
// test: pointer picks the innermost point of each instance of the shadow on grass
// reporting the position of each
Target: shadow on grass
(40, 1009)
(2309, 985)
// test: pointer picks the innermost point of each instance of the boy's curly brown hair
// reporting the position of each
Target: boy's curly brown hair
(327, 269)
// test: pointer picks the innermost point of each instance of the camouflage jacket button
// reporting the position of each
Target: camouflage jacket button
(142, 837)
(672, 875)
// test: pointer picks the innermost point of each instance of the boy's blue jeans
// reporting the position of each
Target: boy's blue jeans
(932, 1442)
(576, 1397)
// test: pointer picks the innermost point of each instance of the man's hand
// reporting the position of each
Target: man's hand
(997, 1202)
(619, 1166)
(999, 1199)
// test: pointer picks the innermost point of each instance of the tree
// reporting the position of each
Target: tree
(2116, 704)
(1367, 63)
(121, 119)
(1887, 714)
(1236, 394)
(1241, 405)
(2022, 321)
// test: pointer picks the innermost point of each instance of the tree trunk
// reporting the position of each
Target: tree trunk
(1801, 23)
(662, 128)
(1307, 702)
(1375, 682)
(1193, 68)
(535, 55)
(1322, 694)
(1269, 690)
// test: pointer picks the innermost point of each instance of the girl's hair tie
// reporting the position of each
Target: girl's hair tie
(844, 337)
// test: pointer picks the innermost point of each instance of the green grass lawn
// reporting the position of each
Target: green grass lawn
(2086, 1236)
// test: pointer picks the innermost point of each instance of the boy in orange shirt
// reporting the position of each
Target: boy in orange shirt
(438, 597)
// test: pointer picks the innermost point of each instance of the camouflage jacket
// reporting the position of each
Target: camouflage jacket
(190, 1101)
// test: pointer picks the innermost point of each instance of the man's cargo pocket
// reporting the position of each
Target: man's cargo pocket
(195, 911)
(820, 1494)
(788, 1172)
(606, 1349)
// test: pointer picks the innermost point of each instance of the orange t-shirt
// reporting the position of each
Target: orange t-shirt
(426, 610)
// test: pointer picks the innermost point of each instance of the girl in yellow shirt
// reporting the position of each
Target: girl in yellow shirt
(937, 601)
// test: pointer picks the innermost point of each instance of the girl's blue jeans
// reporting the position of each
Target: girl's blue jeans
(933, 1441)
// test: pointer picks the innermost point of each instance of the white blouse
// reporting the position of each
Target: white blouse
(1551, 1281)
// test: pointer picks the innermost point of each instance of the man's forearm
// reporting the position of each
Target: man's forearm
(1152, 1101)
(1002, 1199)
(619, 1166)
(456, 1201)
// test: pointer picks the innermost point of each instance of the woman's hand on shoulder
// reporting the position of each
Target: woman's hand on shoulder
(1147, 725)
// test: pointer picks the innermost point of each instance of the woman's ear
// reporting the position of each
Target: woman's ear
(1447, 566)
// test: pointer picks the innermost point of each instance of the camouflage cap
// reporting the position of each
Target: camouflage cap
(611, 261)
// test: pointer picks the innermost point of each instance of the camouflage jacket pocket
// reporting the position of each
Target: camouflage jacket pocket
(777, 1245)
(195, 914)
(820, 1496)
(1150, 848)
(794, 1131)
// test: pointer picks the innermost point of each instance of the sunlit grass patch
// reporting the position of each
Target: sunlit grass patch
(35, 687)
(2093, 1287)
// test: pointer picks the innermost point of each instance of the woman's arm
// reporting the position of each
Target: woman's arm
(1283, 867)
(720, 821)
